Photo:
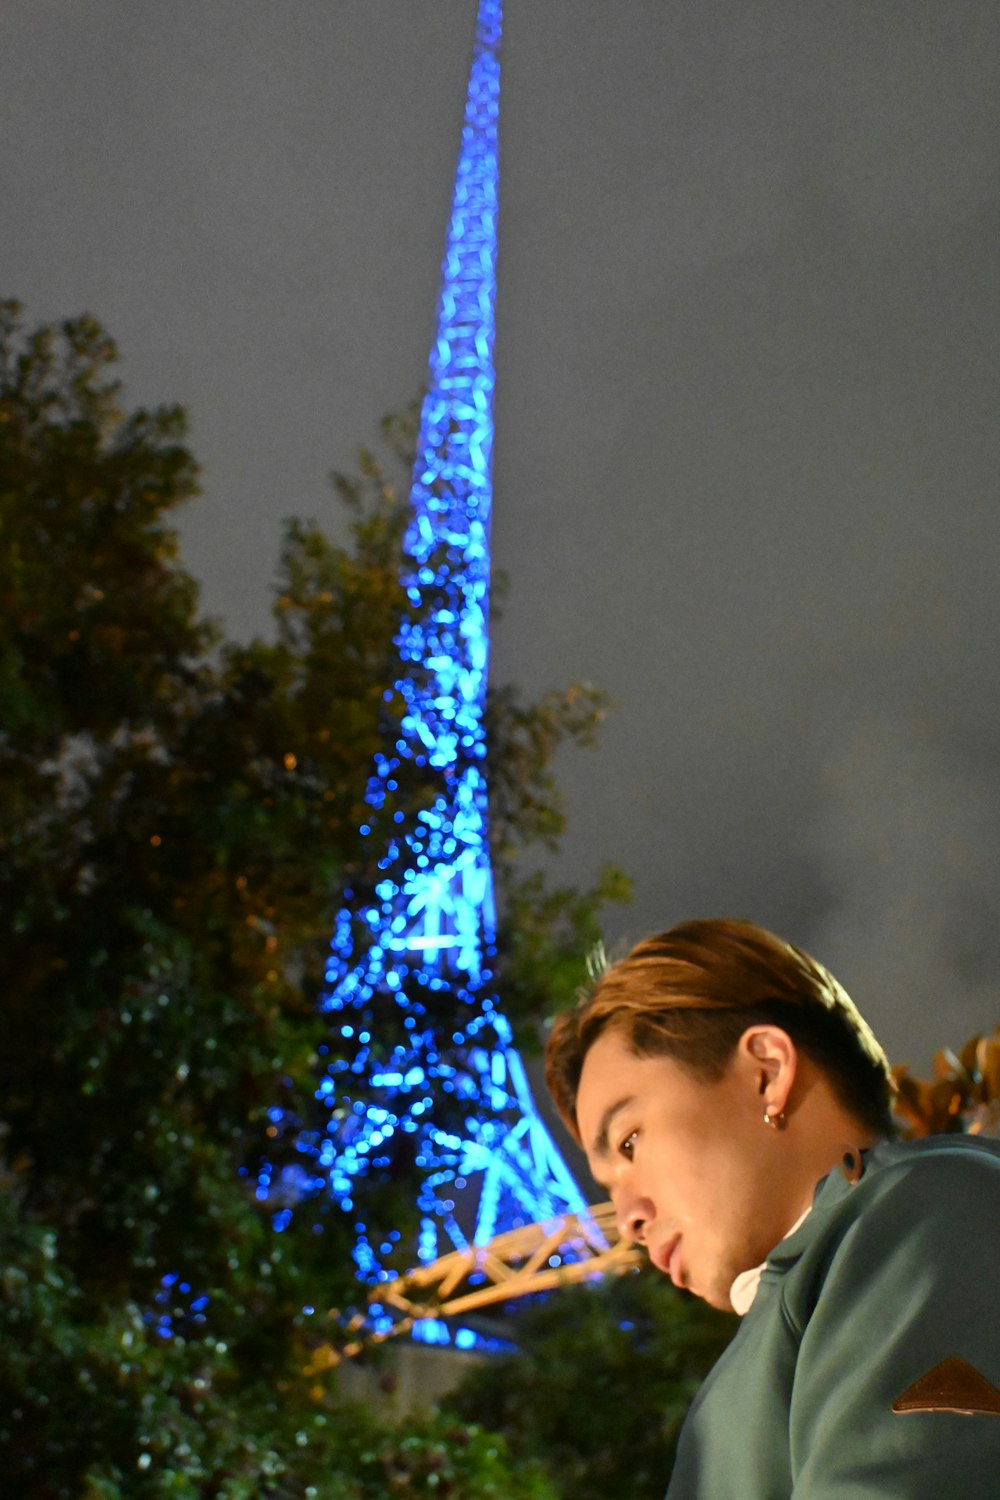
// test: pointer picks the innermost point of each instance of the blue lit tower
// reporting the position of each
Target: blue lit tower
(417, 944)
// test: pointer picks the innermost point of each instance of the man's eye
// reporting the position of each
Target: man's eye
(627, 1147)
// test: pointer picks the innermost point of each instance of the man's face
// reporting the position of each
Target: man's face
(690, 1165)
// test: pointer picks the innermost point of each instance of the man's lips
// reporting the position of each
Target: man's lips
(667, 1258)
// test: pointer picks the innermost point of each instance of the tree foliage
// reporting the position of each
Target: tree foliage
(963, 1094)
(177, 816)
(600, 1384)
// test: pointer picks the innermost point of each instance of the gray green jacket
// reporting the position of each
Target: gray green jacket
(883, 1282)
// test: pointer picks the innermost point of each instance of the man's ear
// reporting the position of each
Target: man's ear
(770, 1056)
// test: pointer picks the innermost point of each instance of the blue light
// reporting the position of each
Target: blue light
(431, 1331)
(426, 922)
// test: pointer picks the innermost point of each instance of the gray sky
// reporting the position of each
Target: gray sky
(746, 459)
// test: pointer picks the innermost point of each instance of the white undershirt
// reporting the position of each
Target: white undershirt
(744, 1288)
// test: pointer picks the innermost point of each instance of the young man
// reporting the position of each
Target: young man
(736, 1107)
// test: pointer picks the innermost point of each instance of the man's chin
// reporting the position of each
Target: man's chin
(717, 1299)
(715, 1293)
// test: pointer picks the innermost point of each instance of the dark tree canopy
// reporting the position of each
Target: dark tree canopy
(177, 816)
(600, 1385)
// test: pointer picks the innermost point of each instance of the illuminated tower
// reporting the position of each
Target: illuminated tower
(455, 1107)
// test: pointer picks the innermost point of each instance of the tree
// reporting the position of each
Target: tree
(600, 1384)
(963, 1095)
(178, 813)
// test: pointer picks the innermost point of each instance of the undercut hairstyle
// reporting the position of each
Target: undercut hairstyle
(689, 994)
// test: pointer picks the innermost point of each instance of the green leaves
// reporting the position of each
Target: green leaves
(177, 816)
(601, 1383)
(98, 622)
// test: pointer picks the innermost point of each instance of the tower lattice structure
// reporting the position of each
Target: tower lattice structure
(456, 1107)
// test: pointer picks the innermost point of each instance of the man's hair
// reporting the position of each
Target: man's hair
(691, 993)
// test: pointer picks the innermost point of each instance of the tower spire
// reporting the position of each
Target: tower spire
(452, 1098)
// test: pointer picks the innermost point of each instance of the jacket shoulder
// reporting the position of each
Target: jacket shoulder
(931, 1205)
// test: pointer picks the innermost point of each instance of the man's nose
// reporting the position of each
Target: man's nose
(633, 1215)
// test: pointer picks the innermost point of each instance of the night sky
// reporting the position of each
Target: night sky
(746, 463)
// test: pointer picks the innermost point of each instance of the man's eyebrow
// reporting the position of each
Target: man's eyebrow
(601, 1146)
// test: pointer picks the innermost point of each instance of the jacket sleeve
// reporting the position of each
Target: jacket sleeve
(911, 1282)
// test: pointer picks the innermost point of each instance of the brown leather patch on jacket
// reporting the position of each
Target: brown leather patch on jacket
(952, 1385)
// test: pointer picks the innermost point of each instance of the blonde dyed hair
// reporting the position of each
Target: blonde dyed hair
(692, 992)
